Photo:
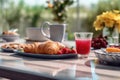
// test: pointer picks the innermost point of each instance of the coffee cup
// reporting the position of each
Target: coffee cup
(56, 31)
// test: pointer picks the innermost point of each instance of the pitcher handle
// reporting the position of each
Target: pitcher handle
(42, 29)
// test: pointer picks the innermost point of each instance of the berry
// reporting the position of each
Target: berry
(59, 52)
(73, 51)
(66, 50)
(99, 42)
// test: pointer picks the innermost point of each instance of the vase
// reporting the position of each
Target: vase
(112, 35)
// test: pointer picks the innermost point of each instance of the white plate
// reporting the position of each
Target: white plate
(9, 38)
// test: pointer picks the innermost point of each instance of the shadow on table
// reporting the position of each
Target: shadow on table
(98, 68)
(102, 65)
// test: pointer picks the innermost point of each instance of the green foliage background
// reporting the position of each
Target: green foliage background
(22, 16)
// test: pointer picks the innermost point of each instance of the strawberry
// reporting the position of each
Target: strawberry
(59, 52)
(65, 50)
(73, 51)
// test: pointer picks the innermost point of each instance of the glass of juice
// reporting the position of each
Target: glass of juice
(83, 43)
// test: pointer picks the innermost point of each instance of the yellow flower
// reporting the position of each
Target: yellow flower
(98, 25)
(107, 19)
(50, 5)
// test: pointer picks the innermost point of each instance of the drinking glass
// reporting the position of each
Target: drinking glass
(83, 43)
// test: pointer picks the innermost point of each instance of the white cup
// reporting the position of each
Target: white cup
(56, 31)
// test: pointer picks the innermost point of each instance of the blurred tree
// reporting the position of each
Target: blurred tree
(2, 2)
(59, 8)
(3, 22)
(19, 16)
(23, 14)
(37, 10)
(13, 13)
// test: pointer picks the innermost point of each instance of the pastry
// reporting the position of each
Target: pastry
(11, 46)
(112, 49)
(9, 33)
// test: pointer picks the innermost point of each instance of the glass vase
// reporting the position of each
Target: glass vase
(112, 35)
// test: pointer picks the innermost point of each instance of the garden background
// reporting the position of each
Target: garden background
(80, 17)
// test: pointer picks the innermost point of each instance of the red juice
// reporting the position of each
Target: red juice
(83, 46)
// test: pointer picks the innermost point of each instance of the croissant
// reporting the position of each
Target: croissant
(48, 48)
(29, 48)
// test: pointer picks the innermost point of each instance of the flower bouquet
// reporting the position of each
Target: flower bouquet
(109, 22)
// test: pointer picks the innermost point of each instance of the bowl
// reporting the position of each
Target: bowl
(9, 38)
(103, 56)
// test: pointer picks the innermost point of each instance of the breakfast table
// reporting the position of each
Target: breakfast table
(16, 67)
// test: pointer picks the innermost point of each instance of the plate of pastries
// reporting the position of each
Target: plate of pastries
(109, 55)
(45, 50)
(9, 47)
